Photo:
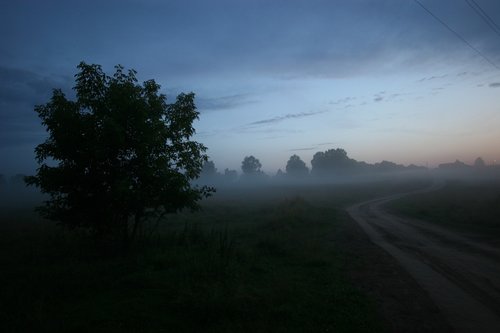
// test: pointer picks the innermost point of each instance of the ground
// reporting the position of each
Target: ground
(258, 259)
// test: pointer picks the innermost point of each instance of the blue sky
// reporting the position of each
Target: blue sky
(380, 78)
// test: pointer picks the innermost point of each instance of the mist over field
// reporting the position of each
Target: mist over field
(250, 166)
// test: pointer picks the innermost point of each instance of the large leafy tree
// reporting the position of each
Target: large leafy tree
(118, 154)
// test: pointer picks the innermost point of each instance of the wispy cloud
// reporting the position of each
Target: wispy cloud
(433, 77)
(378, 97)
(302, 149)
(344, 100)
(494, 85)
(224, 102)
(312, 147)
(278, 119)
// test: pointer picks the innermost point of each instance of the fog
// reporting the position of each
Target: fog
(254, 182)
(334, 166)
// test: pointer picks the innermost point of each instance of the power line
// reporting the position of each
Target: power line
(456, 34)
(486, 18)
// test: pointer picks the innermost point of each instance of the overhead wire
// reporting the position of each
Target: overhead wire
(457, 35)
(486, 18)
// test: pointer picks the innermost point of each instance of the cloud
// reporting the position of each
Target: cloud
(224, 102)
(434, 77)
(300, 149)
(379, 97)
(494, 85)
(313, 146)
(285, 117)
(27, 87)
(20, 91)
(344, 100)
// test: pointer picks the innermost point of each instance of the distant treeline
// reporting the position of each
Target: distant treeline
(330, 164)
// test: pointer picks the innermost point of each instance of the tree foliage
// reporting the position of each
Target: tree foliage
(332, 161)
(479, 163)
(118, 154)
(295, 167)
(251, 165)
(208, 170)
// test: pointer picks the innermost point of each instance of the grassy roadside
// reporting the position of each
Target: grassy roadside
(472, 207)
(255, 267)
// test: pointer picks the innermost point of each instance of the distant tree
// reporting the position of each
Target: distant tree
(251, 166)
(457, 165)
(479, 163)
(118, 155)
(387, 166)
(295, 167)
(415, 167)
(280, 174)
(3, 181)
(208, 170)
(230, 176)
(332, 161)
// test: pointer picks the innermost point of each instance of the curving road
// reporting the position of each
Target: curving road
(461, 276)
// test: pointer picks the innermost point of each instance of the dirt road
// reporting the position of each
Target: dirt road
(459, 274)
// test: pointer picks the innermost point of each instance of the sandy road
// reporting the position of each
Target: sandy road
(462, 276)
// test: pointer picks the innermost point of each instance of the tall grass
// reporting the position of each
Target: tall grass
(466, 206)
(236, 266)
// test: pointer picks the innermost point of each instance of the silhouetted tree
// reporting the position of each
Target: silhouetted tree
(387, 166)
(295, 167)
(457, 165)
(479, 163)
(118, 154)
(332, 161)
(250, 165)
(208, 170)
(280, 174)
(3, 181)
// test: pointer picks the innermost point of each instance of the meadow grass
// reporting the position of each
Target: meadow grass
(467, 206)
(266, 264)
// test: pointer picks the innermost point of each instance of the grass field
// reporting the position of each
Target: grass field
(264, 264)
(467, 206)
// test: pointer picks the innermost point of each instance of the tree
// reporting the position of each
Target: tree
(250, 165)
(295, 167)
(118, 155)
(331, 161)
(280, 174)
(208, 170)
(479, 163)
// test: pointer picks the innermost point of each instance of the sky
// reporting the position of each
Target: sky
(382, 79)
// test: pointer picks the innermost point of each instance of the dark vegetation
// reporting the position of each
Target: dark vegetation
(332, 165)
(467, 205)
(262, 259)
(117, 155)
